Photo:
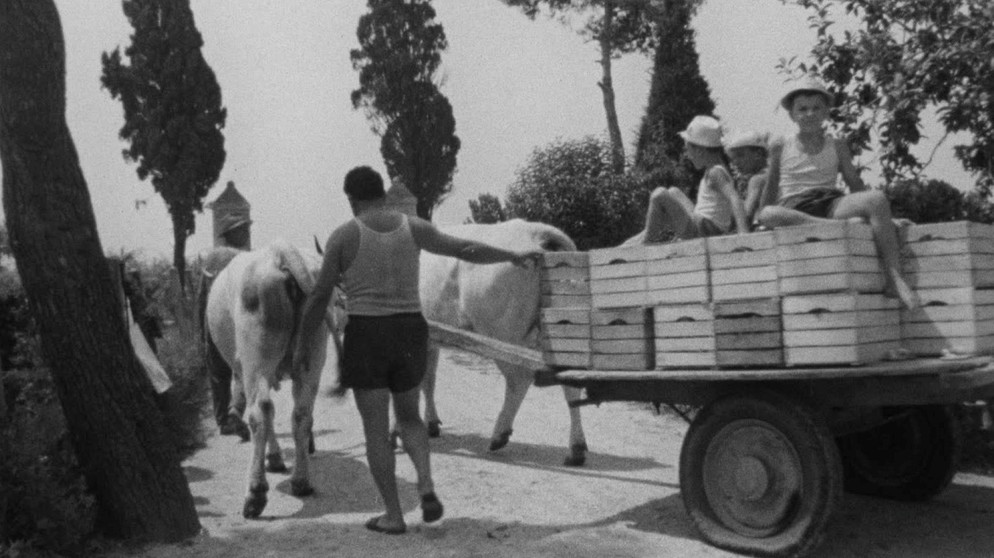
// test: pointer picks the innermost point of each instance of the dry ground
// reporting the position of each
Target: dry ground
(520, 502)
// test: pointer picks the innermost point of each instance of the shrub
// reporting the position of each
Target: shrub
(44, 503)
(569, 184)
(925, 201)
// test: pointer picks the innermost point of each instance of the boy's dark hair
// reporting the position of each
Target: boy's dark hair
(364, 184)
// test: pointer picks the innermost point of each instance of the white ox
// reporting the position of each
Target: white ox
(500, 301)
(252, 313)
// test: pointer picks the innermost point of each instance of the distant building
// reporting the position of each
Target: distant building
(230, 202)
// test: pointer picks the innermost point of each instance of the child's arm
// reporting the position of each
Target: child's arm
(721, 181)
(849, 173)
(757, 196)
(773, 171)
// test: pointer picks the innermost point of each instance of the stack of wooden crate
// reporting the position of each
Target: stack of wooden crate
(679, 291)
(621, 322)
(565, 312)
(951, 267)
(830, 283)
(744, 294)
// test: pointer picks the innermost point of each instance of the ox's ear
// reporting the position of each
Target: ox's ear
(317, 246)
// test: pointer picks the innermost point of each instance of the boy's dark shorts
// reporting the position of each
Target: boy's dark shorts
(385, 352)
(818, 202)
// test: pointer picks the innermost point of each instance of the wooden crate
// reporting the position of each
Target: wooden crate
(943, 255)
(828, 257)
(617, 277)
(677, 272)
(621, 339)
(565, 280)
(742, 266)
(684, 336)
(566, 337)
(839, 328)
(952, 320)
(748, 333)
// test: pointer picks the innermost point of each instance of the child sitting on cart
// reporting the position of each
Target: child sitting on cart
(748, 155)
(718, 207)
(804, 169)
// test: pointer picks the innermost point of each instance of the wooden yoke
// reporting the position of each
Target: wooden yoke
(485, 346)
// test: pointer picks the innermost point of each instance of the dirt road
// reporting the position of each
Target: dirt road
(520, 502)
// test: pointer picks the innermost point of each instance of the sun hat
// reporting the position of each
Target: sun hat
(810, 86)
(704, 131)
(745, 138)
(231, 222)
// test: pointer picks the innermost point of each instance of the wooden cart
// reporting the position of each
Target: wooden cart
(769, 451)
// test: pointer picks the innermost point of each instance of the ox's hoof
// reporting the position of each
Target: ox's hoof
(434, 428)
(577, 456)
(275, 464)
(301, 487)
(311, 448)
(501, 440)
(255, 502)
(394, 440)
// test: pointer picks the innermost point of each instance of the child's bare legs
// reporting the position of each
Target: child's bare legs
(773, 216)
(670, 210)
(873, 207)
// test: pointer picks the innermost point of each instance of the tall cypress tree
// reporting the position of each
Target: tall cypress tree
(172, 110)
(678, 91)
(399, 52)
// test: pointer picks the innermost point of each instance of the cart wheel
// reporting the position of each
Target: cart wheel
(760, 474)
(913, 456)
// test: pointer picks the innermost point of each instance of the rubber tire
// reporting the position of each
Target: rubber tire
(817, 457)
(912, 458)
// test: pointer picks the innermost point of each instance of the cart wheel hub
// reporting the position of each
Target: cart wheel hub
(751, 479)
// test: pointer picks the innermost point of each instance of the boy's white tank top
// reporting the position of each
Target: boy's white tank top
(800, 171)
(383, 278)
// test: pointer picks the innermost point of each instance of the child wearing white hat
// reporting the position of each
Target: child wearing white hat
(747, 152)
(804, 170)
(719, 207)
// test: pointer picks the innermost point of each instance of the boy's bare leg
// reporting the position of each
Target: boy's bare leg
(774, 216)
(374, 405)
(874, 208)
(670, 210)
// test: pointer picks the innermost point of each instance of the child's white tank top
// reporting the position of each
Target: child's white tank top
(800, 171)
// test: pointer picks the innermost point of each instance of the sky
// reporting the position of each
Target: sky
(292, 134)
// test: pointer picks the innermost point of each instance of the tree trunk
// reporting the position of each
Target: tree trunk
(115, 426)
(607, 89)
(179, 250)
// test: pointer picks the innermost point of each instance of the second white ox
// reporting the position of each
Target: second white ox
(500, 301)
(252, 313)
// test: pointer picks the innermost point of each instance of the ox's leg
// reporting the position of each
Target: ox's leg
(577, 440)
(517, 381)
(260, 421)
(305, 389)
(428, 386)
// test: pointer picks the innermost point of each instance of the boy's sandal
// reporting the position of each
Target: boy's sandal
(431, 508)
(374, 525)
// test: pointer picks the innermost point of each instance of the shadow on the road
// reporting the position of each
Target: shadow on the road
(545, 457)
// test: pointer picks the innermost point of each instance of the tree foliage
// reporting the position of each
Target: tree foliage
(486, 209)
(677, 94)
(571, 185)
(619, 27)
(904, 57)
(936, 201)
(172, 110)
(399, 52)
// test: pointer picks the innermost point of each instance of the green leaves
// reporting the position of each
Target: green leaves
(907, 56)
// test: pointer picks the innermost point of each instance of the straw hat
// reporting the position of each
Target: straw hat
(704, 131)
(808, 87)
